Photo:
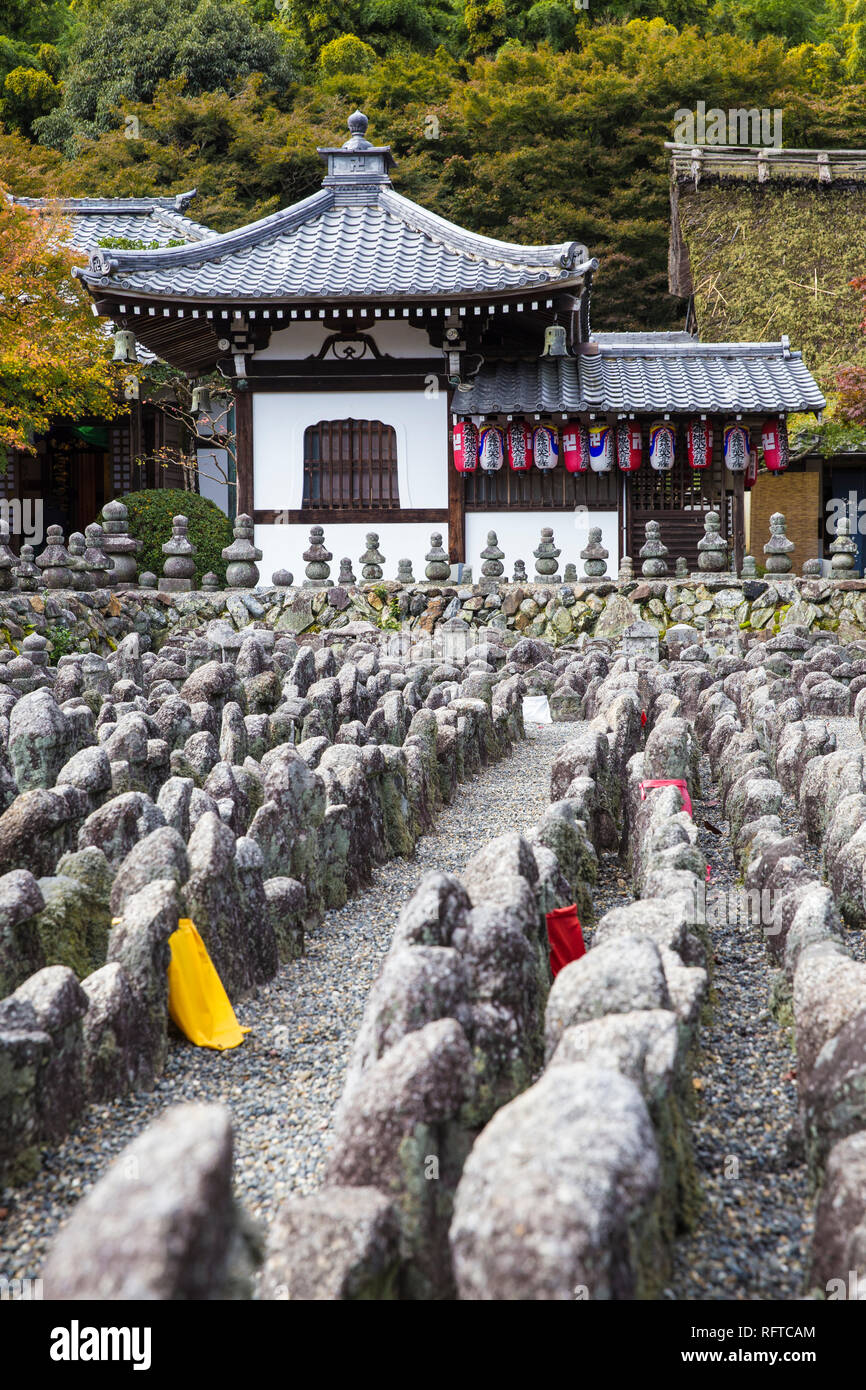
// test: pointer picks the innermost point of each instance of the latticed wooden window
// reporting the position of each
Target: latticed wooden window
(350, 465)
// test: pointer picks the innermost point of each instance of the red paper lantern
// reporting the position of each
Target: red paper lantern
(464, 441)
(545, 448)
(629, 447)
(519, 446)
(700, 444)
(575, 448)
(774, 441)
(491, 449)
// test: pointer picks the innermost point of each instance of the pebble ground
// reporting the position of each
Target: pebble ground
(751, 1242)
(282, 1084)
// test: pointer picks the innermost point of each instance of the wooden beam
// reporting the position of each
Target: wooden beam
(342, 516)
(739, 521)
(244, 445)
(456, 511)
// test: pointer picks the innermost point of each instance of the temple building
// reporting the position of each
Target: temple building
(397, 373)
(83, 463)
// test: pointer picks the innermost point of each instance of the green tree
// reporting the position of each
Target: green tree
(127, 47)
(346, 54)
(797, 21)
(27, 94)
(387, 25)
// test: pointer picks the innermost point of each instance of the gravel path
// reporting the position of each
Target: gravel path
(284, 1082)
(752, 1238)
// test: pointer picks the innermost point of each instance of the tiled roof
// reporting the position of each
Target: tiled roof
(675, 375)
(135, 219)
(329, 246)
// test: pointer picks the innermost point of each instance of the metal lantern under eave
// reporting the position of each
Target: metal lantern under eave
(464, 441)
(700, 444)
(575, 448)
(519, 446)
(545, 448)
(736, 448)
(491, 449)
(774, 442)
(662, 446)
(600, 448)
(629, 447)
(124, 346)
(201, 400)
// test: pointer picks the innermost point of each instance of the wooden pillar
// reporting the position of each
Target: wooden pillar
(739, 521)
(244, 446)
(456, 511)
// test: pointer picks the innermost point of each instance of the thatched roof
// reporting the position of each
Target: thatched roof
(767, 241)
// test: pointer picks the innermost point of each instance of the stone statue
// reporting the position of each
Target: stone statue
(778, 548)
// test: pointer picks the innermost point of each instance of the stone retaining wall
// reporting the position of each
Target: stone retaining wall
(559, 614)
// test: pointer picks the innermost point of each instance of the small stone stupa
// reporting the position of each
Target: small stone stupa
(594, 555)
(492, 568)
(26, 572)
(179, 567)
(317, 570)
(120, 547)
(82, 579)
(712, 547)
(843, 551)
(438, 567)
(653, 553)
(54, 560)
(371, 560)
(778, 548)
(7, 559)
(546, 557)
(98, 564)
(242, 572)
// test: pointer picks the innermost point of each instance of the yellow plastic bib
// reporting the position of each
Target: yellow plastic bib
(197, 1002)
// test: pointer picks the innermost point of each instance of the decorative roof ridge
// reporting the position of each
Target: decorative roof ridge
(567, 254)
(103, 263)
(176, 221)
(176, 203)
(645, 348)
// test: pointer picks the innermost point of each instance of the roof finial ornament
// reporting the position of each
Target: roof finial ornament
(357, 124)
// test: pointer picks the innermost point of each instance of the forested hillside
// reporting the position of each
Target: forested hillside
(527, 121)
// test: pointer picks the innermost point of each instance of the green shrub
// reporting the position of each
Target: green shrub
(150, 514)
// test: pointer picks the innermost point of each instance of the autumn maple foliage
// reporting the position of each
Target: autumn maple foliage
(55, 357)
(851, 380)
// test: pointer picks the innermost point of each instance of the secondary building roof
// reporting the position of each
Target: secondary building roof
(93, 220)
(648, 373)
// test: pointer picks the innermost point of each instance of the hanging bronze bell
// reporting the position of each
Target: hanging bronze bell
(201, 400)
(124, 346)
(554, 341)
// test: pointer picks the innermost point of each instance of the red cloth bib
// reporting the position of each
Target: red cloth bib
(565, 937)
(669, 782)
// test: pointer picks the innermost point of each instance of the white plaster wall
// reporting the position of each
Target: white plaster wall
(304, 338)
(283, 546)
(280, 418)
(518, 534)
(212, 476)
